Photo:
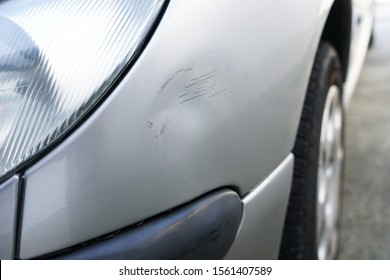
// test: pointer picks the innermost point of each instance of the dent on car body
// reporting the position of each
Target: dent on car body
(209, 103)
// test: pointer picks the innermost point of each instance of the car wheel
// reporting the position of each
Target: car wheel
(311, 226)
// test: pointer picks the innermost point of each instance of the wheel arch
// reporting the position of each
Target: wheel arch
(338, 31)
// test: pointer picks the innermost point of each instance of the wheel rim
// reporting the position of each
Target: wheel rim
(331, 155)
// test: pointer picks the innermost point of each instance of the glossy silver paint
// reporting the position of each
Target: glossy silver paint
(214, 100)
(203, 107)
(8, 211)
(263, 216)
(363, 19)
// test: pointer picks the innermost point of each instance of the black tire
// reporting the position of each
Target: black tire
(300, 229)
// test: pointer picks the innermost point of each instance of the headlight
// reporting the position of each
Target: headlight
(57, 59)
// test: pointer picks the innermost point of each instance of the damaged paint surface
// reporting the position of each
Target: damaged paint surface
(189, 86)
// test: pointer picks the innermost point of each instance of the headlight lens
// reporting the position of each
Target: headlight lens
(57, 59)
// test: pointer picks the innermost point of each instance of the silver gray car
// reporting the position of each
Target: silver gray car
(156, 129)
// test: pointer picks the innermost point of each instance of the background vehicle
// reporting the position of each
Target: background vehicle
(187, 149)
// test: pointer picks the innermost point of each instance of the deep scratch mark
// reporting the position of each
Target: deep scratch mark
(165, 84)
(196, 92)
(199, 81)
(192, 98)
(188, 69)
(183, 95)
(202, 76)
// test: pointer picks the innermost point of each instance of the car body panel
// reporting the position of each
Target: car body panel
(363, 19)
(263, 215)
(8, 215)
(214, 100)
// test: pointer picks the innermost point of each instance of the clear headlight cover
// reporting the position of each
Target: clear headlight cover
(57, 59)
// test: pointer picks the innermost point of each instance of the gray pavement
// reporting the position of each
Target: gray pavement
(365, 220)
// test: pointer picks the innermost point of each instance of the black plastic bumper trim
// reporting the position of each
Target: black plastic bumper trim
(202, 229)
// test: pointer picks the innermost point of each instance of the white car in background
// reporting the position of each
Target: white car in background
(156, 129)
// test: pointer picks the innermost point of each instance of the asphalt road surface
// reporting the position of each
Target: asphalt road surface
(365, 220)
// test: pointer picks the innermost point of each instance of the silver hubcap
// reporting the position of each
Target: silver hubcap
(329, 175)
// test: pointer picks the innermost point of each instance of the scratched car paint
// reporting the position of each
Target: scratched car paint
(205, 113)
